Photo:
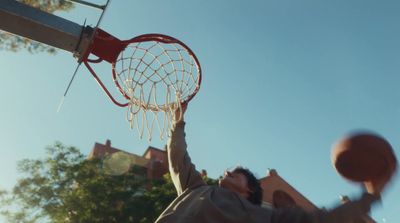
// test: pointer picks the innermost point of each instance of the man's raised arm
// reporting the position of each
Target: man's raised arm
(183, 173)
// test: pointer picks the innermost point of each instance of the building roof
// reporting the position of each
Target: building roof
(101, 150)
(150, 148)
(273, 182)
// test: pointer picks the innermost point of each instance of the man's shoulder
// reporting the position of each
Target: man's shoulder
(200, 189)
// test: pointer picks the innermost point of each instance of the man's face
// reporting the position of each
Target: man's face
(235, 182)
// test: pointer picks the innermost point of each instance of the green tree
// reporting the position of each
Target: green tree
(154, 201)
(15, 43)
(64, 186)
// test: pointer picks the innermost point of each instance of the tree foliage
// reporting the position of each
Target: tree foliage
(64, 186)
(15, 43)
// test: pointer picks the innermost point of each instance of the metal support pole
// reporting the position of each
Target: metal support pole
(32, 23)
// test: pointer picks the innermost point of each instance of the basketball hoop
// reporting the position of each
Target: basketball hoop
(155, 73)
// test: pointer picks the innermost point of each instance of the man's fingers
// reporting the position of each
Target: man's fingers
(376, 186)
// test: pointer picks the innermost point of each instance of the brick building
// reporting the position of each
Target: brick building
(280, 194)
(153, 164)
(277, 193)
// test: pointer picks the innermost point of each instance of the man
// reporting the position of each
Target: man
(238, 197)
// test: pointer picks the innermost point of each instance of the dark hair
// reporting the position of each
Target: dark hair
(256, 193)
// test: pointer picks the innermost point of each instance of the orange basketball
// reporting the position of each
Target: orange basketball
(363, 157)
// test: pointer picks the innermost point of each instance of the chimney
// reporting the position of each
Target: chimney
(108, 143)
(272, 172)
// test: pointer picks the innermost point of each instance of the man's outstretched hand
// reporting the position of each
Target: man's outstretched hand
(179, 112)
(376, 186)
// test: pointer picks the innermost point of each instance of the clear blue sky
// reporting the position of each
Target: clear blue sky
(283, 80)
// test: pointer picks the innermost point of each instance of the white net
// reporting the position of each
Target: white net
(156, 78)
